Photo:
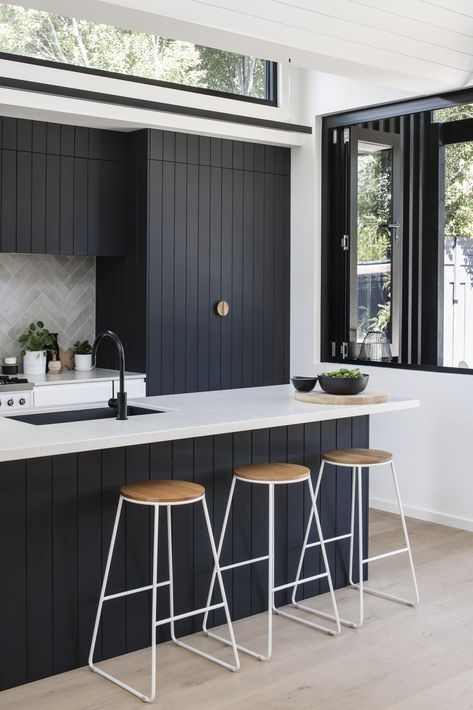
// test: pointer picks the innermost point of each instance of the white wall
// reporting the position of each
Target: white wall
(431, 444)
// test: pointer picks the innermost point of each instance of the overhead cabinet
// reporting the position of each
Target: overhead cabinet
(63, 189)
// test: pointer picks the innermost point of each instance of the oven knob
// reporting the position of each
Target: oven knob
(22, 401)
(10, 402)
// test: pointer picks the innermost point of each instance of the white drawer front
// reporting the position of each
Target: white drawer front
(49, 395)
(134, 388)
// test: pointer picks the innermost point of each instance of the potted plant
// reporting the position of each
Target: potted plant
(83, 356)
(37, 341)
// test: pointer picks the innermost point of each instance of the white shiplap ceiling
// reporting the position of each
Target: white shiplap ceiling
(416, 45)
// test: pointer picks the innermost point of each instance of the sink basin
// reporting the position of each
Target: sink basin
(81, 415)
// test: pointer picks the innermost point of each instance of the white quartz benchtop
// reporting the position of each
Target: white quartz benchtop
(74, 376)
(187, 416)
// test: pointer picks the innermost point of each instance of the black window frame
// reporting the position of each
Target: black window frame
(271, 79)
(423, 270)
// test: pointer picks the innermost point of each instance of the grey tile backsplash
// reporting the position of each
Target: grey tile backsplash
(59, 290)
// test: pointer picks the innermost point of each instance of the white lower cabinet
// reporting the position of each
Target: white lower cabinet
(81, 392)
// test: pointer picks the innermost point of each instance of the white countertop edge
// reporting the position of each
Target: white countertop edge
(177, 423)
(72, 377)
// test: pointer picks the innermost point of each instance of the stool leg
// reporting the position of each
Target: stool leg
(354, 479)
(94, 668)
(406, 535)
(269, 650)
(104, 586)
(218, 575)
(219, 552)
(171, 574)
(360, 546)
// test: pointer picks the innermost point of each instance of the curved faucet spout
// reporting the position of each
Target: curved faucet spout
(121, 394)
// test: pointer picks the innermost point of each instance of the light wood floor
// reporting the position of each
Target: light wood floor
(402, 659)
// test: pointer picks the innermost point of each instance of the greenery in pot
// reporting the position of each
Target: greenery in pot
(344, 372)
(83, 348)
(37, 339)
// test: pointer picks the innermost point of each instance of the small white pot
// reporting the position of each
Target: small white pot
(34, 362)
(83, 362)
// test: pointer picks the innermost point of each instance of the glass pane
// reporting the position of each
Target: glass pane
(452, 113)
(458, 256)
(374, 239)
(44, 35)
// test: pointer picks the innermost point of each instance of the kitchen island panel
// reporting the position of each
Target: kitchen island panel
(56, 524)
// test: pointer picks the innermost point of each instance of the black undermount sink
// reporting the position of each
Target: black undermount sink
(81, 415)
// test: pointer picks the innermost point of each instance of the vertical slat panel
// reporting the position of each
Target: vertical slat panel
(183, 548)
(13, 616)
(279, 292)
(93, 207)
(247, 281)
(39, 600)
(38, 203)
(203, 281)
(343, 504)
(242, 532)
(167, 277)
(137, 553)
(64, 519)
(23, 202)
(180, 280)
(203, 563)
(226, 352)
(192, 265)
(278, 453)
(223, 470)
(67, 206)
(8, 216)
(52, 204)
(312, 443)
(328, 495)
(214, 345)
(259, 525)
(295, 504)
(156, 272)
(89, 549)
(114, 613)
(236, 319)
(258, 282)
(80, 199)
(268, 280)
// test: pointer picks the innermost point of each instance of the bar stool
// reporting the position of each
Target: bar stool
(159, 494)
(271, 475)
(356, 459)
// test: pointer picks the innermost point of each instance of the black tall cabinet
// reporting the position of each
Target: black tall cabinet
(209, 221)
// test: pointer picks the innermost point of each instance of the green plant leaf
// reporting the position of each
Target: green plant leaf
(32, 326)
(40, 324)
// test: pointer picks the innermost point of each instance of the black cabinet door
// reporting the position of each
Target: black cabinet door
(217, 233)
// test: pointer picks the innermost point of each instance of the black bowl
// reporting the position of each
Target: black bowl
(304, 384)
(343, 385)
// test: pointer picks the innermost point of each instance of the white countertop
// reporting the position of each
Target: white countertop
(188, 416)
(73, 376)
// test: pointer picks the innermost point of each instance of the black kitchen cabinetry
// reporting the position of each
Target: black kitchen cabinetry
(63, 189)
(211, 222)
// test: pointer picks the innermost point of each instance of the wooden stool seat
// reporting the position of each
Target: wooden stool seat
(357, 457)
(163, 491)
(272, 472)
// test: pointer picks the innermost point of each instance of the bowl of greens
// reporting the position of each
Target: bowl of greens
(343, 381)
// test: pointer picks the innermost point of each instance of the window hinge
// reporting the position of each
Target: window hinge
(345, 242)
(344, 350)
(346, 135)
(334, 348)
(334, 136)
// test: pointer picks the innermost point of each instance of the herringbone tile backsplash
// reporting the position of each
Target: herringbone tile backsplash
(59, 290)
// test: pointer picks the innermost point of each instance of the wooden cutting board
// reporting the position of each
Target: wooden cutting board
(366, 397)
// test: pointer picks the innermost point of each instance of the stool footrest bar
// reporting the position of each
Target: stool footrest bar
(330, 539)
(187, 614)
(134, 591)
(224, 568)
(300, 581)
(385, 595)
(386, 554)
(241, 648)
(305, 622)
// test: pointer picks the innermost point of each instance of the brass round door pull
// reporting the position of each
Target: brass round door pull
(223, 309)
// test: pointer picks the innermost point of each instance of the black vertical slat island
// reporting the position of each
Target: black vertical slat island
(59, 485)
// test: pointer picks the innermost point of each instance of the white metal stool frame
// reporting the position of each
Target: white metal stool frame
(357, 491)
(270, 558)
(154, 586)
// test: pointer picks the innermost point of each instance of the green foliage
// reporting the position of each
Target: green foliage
(57, 38)
(374, 206)
(83, 348)
(37, 338)
(344, 372)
